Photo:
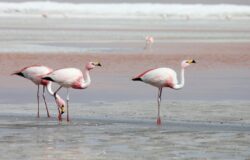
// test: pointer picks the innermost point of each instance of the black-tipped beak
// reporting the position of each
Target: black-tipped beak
(193, 61)
(98, 64)
(62, 109)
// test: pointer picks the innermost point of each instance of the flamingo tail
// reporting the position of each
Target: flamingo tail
(48, 78)
(18, 73)
(137, 79)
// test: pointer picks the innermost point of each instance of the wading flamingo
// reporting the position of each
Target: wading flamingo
(163, 77)
(35, 74)
(71, 78)
(149, 42)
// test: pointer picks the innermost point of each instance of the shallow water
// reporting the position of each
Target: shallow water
(127, 131)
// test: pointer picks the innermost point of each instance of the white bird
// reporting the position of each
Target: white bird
(71, 78)
(163, 77)
(149, 41)
(35, 73)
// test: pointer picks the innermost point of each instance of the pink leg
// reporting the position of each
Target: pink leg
(67, 104)
(158, 122)
(45, 102)
(38, 114)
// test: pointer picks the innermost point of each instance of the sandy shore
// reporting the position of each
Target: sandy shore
(220, 68)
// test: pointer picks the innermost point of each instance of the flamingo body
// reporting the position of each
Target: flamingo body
(149, 42)
(163, 77)
(160, 77)
(35, 73)
(71, 78)
(67, 77)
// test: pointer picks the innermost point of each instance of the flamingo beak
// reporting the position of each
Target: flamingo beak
(62, 109)
(191, 61)
(98, 64)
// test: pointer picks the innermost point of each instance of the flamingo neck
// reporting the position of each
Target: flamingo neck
(87, 79)
(181, 84)
(49, 89)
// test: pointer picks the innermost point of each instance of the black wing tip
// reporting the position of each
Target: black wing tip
(48, 78)
(18, 73)
(137, 79)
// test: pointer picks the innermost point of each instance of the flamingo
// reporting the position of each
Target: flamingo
(71, 78)
(149, 42)
(163, 77)
(35, 74)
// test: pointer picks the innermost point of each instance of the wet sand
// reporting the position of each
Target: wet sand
(222, 72)
(127, 130)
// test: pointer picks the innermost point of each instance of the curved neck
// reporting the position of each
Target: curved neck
(87, 82)
(181, 84)
(49, 89)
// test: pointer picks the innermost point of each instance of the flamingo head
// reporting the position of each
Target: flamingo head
(92, 65)
(61, 104)
(186, 63)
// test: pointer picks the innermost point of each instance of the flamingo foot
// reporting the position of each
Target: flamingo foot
(158, 122)
(59, 117)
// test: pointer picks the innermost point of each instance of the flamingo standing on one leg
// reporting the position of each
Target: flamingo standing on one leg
(149, 42)
(163, 77)
(71, 78)
(35, 74)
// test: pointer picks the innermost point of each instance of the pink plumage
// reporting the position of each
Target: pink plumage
(163, 77)
(35, 73)
(71, 78)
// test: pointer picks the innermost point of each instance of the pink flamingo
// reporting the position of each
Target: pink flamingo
(71, 78)
(163, 77)
(149, 42)
(35, 74)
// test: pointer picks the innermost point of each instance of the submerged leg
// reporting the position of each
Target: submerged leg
(38, 114)
(159, 104)
(45, 102)
(59, 112)
(67, 104)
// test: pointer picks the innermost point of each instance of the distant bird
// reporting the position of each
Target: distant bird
(35, 74)
(149, 42)
(71, 78)
(163, 77)
(44, 15)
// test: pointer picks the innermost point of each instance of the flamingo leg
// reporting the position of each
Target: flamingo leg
(59, 112)
(145, 47)
(45, 102)
(159, 104)
(149, 45)
(67, 104)
(38, 114)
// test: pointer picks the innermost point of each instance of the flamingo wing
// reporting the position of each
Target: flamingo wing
(34, 73)
(65, 77)
(160, 77)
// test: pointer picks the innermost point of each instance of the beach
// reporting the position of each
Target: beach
(115, 118)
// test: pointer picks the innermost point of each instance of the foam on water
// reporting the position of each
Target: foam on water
(124, 10)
